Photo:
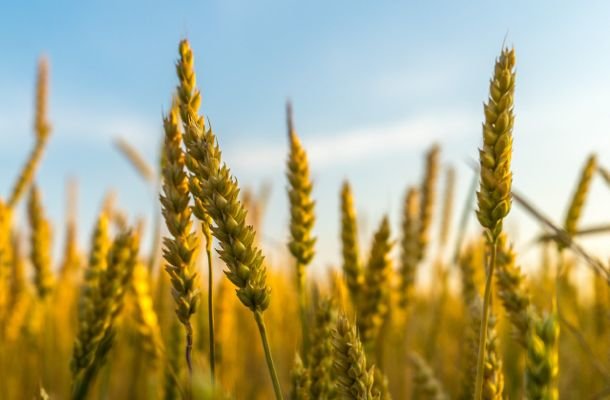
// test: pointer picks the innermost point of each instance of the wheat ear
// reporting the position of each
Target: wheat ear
(579, 197)
(189, 98)
(180, 249)
(427, 385)
(42, 128)
(321, 354)
(40, 248)
(91, 351)
(300, 380)
(354, 378)
(374, 306)
(409, 245)
(216, 192)
(302, 218)
(542, 366)
(352, 269)
(428, 198)
(494, 195)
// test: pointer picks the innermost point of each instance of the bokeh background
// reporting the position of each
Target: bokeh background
(372, 83)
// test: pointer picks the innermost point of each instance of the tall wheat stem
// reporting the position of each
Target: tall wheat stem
(258, 316)
(208, 252)
(484, 321)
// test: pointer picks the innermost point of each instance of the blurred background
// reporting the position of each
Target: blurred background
(373, 84)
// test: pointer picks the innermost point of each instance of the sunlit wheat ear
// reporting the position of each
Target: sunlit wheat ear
(542, 364)
(96, 335)
(354, 379)
(42, 129)
(374, 307)
(428, 198)
(181, 247)
(215, 191)
(40, 244)
(494, 197)
(300, 381)
(302, 218)
(426, 384)
(580, 196)
(321, 352)
(352, 269)
(409, 245)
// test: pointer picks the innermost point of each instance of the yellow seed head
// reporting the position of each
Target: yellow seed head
(302, 217)
(40, 244)
(352, 269)
(494, 195)
(580, 195)
(428, 198)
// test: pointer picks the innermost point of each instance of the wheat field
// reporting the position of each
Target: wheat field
(202, 314)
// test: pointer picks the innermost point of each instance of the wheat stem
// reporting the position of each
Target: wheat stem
(258, 317)
(484, 321)
(208, 253)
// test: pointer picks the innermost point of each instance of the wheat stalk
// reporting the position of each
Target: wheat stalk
(216, 193)
(189, 98)
(494, 196)
(302, 217)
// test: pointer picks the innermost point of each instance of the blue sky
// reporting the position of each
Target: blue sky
(372, 83)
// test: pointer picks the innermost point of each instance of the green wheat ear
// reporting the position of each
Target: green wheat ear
(494, 196)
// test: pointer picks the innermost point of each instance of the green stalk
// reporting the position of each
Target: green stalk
(208, 251)
(478, 389)
(258, 316)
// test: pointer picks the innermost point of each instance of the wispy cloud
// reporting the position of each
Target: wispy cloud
(329, 149)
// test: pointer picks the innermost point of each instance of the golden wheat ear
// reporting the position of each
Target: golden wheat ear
(42, 129)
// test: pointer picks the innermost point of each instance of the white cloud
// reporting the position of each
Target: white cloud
(362, 143)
